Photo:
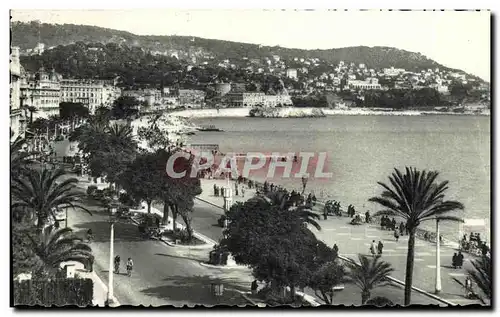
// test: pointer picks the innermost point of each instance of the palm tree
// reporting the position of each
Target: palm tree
(415, 197)
(44, 192)
(285, 203)
(371, 272)
(54, 246)
(19, 157)
(481, 275)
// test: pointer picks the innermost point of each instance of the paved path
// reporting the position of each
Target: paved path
(162, 275)
(356, 239)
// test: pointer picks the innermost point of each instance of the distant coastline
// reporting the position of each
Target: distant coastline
(244, 112)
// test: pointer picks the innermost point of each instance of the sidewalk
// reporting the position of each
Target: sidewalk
(357, 239)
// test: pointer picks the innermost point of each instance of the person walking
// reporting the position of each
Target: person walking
(460, 259)
(373, 248)
(468, 287)
(336, 249)
(380, 247)
(254, 287)
(215, 190)
(396, 235)
(367, 217)
(243, 191)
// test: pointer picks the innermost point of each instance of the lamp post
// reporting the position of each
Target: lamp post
(112, 207)
(438, 259)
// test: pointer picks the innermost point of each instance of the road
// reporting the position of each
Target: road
(162, 275)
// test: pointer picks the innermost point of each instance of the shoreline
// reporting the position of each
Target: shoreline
(244, 112)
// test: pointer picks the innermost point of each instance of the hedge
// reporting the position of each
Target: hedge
(57, 292)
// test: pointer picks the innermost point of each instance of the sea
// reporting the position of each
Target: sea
(364, 150)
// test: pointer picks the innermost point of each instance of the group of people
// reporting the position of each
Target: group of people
(351, 211)
(474, 241)
(129, 265)
(332, 207)
(387, 224)
(376, 249)
(457, 261)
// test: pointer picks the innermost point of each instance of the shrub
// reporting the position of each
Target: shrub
(57, 292)
(91, 190)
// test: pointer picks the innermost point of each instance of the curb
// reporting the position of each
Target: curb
(418, 290)
(98, 280)
(223, 267)
(207, 202)
(198, 247)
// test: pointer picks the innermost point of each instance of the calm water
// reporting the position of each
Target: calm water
(364, 149)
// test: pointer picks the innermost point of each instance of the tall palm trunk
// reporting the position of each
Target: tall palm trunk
(409, 266)
(292, 293)
(365, 296)
(174, 209)
(165, 212)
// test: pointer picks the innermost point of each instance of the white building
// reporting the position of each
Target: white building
(91, 92)
(291, 73)
(42, 91)
(16, 117)
(393, 71)
(369, 84)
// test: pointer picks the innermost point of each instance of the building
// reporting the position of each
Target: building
(252, 99)
(42, 91)
(221, 89)
(39, 49)
(368, 84)
(393, 71)
(291, 73)
(244, 99)
(93, 93)
(16, 117)
(191, 98)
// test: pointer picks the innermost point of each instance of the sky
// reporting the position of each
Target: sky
(457, 39)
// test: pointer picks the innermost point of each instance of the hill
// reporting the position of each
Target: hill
(27, 35)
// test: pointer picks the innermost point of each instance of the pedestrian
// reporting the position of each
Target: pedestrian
(373, 247)
(396, 235)
(380, 247)
(401, 228)
(383, 222)
(454, 260)
(254, 287)
(367, 217)
(460, 259)
(393, 224)
(468, 287)
(335, 249)
(236, 190)
(484, 249)
(243, 191)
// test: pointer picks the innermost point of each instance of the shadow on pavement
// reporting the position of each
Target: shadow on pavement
(198, 289)
(101, 231)
(183, 257)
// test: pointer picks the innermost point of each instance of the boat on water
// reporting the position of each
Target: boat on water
(210, 128)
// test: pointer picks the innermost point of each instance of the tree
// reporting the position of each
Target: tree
(20, 158)
(275, 243)
(178, 193)
(124, 107)
(72, 112)
(24, 260)
(54, 246)
(142, 179)
(371, 272)
(44, 192)
(324, 280)
(416, 197)
(481, 275)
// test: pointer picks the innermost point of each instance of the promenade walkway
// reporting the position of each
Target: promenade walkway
(353, 240)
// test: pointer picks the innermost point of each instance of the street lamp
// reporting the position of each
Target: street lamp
(112, 209)
(438, 250)
(438, 259)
